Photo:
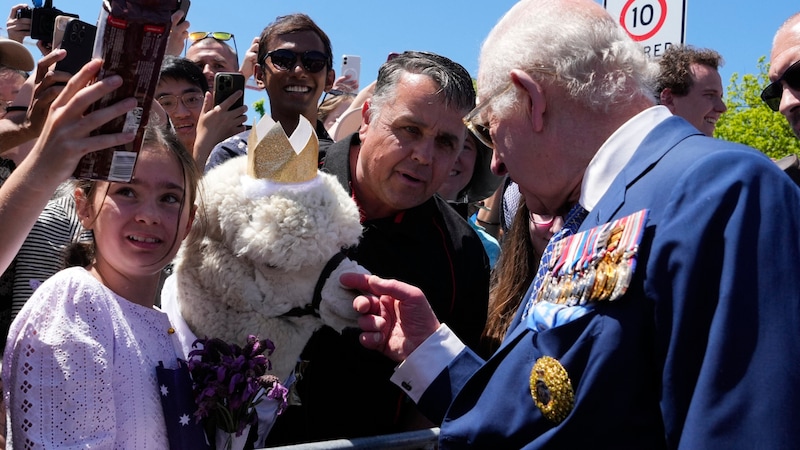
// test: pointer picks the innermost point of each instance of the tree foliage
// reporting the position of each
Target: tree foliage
(258, 105)
(749, 121)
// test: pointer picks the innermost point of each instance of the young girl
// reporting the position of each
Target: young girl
(80, 360)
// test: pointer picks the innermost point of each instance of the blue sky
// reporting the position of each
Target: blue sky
(741, 30)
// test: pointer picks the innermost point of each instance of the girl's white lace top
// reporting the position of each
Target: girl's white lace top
(79, 368)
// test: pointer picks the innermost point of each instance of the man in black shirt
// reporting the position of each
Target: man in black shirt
(410, 137)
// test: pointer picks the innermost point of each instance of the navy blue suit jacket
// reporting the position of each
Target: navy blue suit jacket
(701, 352)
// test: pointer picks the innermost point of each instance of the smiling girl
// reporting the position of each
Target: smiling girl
(81, 355)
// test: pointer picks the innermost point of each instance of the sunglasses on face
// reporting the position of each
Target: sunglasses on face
(774, 91)
(477, 125)
(191, 100)
(221, 36)
(284, 59)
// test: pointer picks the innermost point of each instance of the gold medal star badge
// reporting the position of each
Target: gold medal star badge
(551, 389)
(271, 155)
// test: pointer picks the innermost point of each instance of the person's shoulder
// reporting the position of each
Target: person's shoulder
(231, 147)
(237, 141)
(729, 157)
(72, 289)
(77, 276)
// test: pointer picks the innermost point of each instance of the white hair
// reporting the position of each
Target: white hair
(568, 44)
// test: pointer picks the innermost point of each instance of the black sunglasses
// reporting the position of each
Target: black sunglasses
(774, 91)
(284, 59)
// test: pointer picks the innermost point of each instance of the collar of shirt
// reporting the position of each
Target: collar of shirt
(615, 153)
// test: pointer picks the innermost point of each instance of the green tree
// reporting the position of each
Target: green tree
(749, 121)
(258, 105)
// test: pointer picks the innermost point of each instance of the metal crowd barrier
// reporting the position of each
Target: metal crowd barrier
(411, 440)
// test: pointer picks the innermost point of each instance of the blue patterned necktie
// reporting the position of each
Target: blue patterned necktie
(575, 217)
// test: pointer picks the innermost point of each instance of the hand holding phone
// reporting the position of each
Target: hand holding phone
(351, 66)
(183, 5)
(225, 84)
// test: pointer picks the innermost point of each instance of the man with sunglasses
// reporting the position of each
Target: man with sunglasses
(295, 66)
(408, 142)
(689, 340)
(783, 94)
(211, 53)
(689, 85)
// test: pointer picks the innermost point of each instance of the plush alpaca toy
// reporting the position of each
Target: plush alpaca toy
(264, 256)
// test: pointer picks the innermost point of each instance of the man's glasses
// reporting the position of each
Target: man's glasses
(191, 100)
(477, 125)
(774, 91)
(221, 36)
(285, 59)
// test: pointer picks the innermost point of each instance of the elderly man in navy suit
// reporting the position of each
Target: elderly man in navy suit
(668, 319)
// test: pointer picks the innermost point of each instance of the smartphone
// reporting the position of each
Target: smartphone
(225, 84)
(351, 65)
(183, 5)
(58, 30)
(78, 41)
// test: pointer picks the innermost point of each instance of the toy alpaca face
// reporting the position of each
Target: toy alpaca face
(281, 226)
(256, 256)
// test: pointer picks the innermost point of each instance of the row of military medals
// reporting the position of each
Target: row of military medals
(594, 265)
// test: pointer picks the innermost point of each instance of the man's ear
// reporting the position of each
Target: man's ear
(666, 98)
(329, 79)
(536, 97)
(258, 74)
(366, 113)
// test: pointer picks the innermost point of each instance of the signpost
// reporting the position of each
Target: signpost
(656, 24)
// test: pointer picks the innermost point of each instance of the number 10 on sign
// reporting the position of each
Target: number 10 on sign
(656, 24)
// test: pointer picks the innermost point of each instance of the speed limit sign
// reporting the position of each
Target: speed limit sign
(656, 24)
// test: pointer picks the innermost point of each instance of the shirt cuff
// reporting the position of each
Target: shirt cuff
(424, 364)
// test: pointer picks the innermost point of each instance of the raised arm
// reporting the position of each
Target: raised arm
(64, 140)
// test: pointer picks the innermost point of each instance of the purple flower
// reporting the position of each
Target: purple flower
(230, 380)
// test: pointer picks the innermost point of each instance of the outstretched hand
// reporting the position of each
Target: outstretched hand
(396, 316)
(65, 136)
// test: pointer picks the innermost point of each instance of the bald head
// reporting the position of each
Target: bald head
(602, 70)
(785, 52)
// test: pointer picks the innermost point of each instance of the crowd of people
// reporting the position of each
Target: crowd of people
(560, 255)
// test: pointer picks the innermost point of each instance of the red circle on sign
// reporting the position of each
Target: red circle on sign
(652, 32)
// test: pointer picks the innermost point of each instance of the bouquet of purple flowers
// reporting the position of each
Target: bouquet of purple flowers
(229, 381)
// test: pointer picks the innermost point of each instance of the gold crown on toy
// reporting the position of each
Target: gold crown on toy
(271, 155)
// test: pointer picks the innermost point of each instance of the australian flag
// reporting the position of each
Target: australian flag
(177, 401)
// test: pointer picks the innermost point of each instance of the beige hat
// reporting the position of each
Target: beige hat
(15, 55)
